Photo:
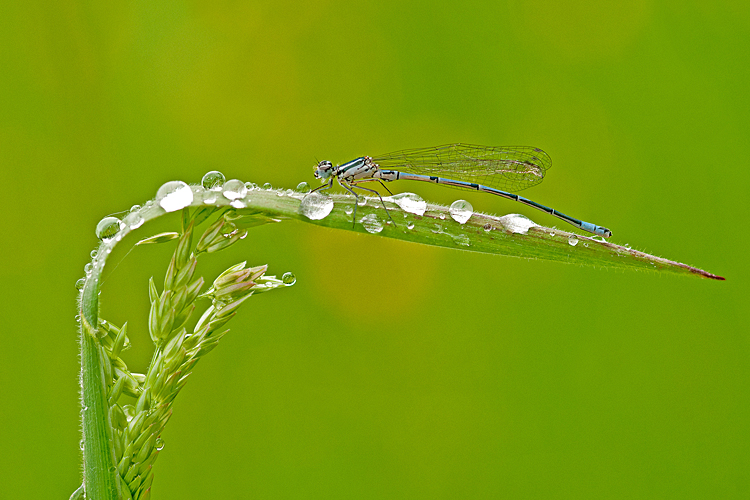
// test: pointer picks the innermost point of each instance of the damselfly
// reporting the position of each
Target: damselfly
(495, 170)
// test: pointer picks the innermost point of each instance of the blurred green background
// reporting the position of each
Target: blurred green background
(399, 371)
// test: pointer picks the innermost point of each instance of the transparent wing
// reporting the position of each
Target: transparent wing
(508, 168)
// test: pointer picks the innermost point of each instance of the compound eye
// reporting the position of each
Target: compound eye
(323, 170)
(324, 166)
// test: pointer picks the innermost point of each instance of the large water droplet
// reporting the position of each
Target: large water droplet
(108, 227)
(213, 180)
(572, 240)
(410, 202)
(461, 211)
(174, 195)
(303, 187)
(267, 186)
(517, 223)
(371, 223)
(234, 189)
(289, 278)
(80, 283)
(315, 206)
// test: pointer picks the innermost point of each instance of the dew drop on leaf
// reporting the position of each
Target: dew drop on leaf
(234, 189)
(410, 202)
(461, 211)
(108, 227)
(213, 180)
(371, 223)
(316, 206)
(174, 195)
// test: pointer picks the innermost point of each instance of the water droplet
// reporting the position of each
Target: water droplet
(627, 246)
(348, 210)
(585, 244)
(251, 185)
(361, 201)
(267, 186)
(572, 240)
(315, 206)
(234, 189)
(517, 223)
(210, 199)
(410, 225)
(80, 283)
(461, 211)
(108, 227)
(88, 267)
(371, 223)
(238, 203)
(159, 444)
(487, 227)
(441, 216)
(94, 253)
(289, 278)
(303, 187)
(80, 444)
(410, 202)
(135, 208)
(174, 195)
(213, 180)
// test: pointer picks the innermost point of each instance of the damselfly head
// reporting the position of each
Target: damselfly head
(323, 169)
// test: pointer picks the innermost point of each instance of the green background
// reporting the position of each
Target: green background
(392, 370)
